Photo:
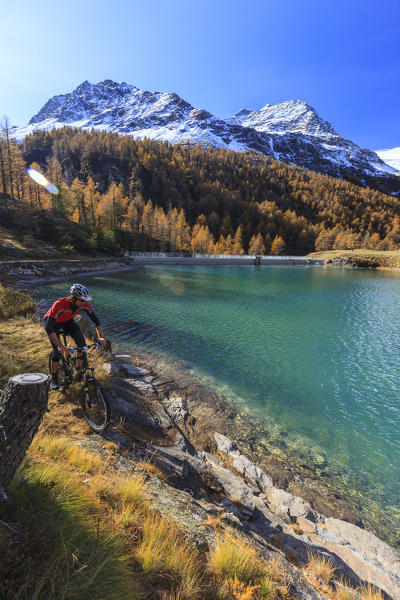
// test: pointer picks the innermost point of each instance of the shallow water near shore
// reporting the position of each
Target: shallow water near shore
(312, 352)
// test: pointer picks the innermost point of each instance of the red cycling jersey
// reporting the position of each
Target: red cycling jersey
(61, 310)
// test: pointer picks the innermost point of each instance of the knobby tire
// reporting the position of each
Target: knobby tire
(95, 406)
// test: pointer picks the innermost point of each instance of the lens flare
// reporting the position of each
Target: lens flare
(51, 188)
(177, 287)
(42, 180)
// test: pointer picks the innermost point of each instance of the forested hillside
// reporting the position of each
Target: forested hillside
(147, 195)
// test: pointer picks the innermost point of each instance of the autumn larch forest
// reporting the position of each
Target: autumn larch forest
(117, 193)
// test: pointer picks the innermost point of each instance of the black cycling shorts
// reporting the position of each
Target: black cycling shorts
(69, 328)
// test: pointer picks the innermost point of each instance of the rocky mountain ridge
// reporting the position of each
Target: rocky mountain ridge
(291, 131)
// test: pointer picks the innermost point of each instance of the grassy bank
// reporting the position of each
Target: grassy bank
(362, 257)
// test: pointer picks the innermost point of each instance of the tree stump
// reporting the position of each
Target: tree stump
(22, 406)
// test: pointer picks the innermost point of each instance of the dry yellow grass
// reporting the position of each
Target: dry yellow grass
(343, 591)
(10, 239)
(57, 448)
(321, 571)
(132, 490)
(275, 580)
(169, 562)
(61, 448)
(241, 591)
(232, 556)
(111, 448)
(320, 567)
(164, 548)
(103, 487)
(85, 461)
(242, 574)
(153, 469)
(161, 548)
(268, 588)
(65, 548)
(369, 592)
(128, 517)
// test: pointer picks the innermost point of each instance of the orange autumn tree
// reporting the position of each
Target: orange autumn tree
(278, 246)
(257, 245)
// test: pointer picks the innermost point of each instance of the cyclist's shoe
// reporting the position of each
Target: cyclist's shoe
(54, 383)
(78, 375)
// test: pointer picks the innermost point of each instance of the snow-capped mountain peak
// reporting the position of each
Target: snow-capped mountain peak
(86, 99)
(293, 115)
(289, 131)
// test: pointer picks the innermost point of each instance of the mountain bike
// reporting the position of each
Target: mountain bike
(93, 399)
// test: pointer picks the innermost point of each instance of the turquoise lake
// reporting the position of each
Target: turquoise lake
(314, 350)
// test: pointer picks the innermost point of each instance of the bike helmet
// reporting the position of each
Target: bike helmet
(80, 291)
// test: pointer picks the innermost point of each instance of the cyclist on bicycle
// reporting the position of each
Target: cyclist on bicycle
(60, 317)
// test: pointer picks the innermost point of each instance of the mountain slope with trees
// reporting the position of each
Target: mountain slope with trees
(148, 195)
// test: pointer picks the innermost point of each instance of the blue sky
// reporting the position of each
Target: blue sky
(342, 57)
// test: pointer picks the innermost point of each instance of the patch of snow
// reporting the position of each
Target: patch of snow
(385, 168)
(390, 157)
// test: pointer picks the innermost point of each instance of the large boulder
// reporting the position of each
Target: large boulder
(368, 556)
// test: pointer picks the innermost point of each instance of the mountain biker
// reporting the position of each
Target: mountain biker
(61, 317)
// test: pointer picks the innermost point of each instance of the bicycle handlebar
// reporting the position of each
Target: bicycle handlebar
(84, 348)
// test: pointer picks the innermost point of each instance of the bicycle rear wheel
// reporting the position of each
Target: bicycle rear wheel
(95, 406)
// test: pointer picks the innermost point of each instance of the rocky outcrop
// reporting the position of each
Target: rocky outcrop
(224, 481)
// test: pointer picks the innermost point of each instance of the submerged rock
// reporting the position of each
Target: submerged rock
(224, 444)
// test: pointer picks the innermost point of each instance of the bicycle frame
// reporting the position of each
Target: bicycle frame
(66, 360)
(85, 366)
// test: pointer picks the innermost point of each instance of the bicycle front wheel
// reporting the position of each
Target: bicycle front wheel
(95, 406)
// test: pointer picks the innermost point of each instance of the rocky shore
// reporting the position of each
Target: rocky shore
(214, 468)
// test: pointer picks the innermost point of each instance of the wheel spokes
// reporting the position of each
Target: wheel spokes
(94, 407)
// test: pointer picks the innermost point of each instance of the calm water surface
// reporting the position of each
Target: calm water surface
(315, 350)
